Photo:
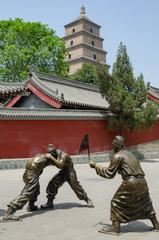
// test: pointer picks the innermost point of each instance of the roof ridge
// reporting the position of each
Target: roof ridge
(154, 88)
(68, 81)
(35, 80)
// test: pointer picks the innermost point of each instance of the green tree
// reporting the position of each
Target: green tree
(126, 95)
(86, 74)
(25, 44)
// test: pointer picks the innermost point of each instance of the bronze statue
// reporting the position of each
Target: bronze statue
(66, 174)
(131, 201)
(30, 192)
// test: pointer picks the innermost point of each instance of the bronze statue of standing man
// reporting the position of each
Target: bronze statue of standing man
(131, 201)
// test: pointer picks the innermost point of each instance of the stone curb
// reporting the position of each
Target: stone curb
(18, 163)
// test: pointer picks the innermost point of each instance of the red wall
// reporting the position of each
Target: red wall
(146, 135)
(24, 138)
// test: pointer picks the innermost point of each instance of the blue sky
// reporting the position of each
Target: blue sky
(133, 22)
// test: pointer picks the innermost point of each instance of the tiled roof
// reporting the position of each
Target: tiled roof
(7, 88)
(43, 114)
(86, 45)
(85, 59)
(153, 91)
(83, 32)
(69, 92)
(82, 16)
(43, 87)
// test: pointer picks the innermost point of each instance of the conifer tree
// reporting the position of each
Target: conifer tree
(126, 95)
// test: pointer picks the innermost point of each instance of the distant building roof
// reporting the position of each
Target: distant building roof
(153, 93)
(8, 88)
(67, 93)
(82, 16)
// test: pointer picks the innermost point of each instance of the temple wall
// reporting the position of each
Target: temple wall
(143, 136)
(24, 138)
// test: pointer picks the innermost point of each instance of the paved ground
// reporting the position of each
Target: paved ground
(70, 220)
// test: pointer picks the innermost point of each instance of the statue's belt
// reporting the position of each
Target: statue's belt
(129, 177)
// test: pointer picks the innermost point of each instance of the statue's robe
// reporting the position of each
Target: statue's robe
(131, 201)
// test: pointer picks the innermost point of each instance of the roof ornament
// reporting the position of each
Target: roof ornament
(62, 96)
(82, 11)
(30, 74)
(148, 85)
(31, 69)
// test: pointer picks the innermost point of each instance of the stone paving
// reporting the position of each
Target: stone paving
(70, 220)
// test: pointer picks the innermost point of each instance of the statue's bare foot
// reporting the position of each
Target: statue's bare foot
(156, 228)
(11, 218)
(109, 230)
(89, 203)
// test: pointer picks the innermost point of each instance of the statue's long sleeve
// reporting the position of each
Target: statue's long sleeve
(110, 171)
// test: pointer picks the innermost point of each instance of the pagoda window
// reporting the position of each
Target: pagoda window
(91, 30)
(94, 57)
(71, 43)
(73, 30)
(69, 56)
(92, 43)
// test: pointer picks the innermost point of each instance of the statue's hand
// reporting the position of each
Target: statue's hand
(92, 164)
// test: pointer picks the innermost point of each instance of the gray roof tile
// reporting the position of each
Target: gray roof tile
(68, 92)
(154, 91)
(73, 92)
(43, 114)
(7, 88)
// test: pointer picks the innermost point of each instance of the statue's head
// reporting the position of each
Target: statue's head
(118, 143)
(52, 150)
